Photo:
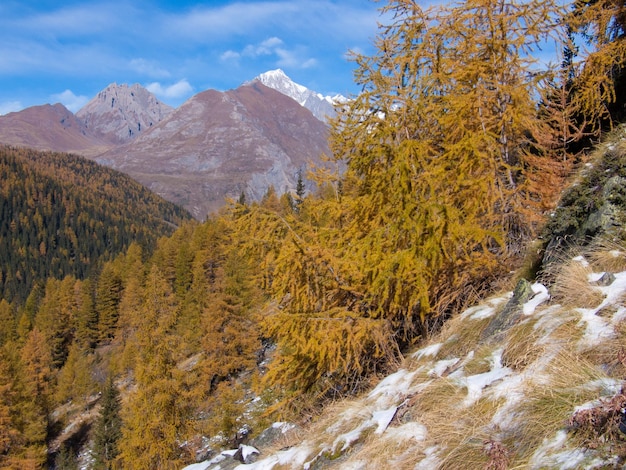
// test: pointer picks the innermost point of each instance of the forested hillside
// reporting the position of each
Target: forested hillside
(61, 214)
(455, 155)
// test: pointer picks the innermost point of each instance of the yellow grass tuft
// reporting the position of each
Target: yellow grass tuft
(549, 404)
(608, 255)
(572, 287)
(521, 348)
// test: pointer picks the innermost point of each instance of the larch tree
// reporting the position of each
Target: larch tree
(108, 294)
(599, 61)
(154, 419)
(435, 197)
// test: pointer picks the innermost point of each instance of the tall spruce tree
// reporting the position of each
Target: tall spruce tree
(108, 428)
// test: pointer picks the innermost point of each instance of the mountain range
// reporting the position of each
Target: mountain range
(215, 146)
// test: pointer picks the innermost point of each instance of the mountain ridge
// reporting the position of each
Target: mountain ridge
(241, 144)
(322, 107)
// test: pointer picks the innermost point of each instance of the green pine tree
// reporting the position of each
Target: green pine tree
(108, 428)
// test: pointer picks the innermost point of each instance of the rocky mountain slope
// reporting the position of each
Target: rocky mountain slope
(119, 113)
(322, 107)
(219, 145)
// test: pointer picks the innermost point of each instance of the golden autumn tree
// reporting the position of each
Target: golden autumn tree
(441, 148)
(599, 60)
(154, 419)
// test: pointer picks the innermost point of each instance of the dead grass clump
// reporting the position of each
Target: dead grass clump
(521, 348)
(463, 436)
(568, 330)
(572, 288)
(608, 256)
(481, 362)
(459, 339)
(548, 406)
(609, 355)
(442, 393)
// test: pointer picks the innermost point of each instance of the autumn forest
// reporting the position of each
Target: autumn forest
(160, 331)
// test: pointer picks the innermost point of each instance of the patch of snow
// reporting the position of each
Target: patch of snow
(350, 437)
(485, 311)
(441, 366)
(511, 389)
(379, 419)
(619, 316)
(615, 291)
(595, 277)
(430, 461)
(247, 451)
(597, 327)
(295, 456)
(428, 351)
(198, 466)
(541, 296)
(406, 432)
(581, 259)
(284, 427)
(393, 387)
(382, 418)
(476, 383)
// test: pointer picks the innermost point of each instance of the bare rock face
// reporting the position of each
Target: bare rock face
(220, 144)
(47, 127)
(119, 113)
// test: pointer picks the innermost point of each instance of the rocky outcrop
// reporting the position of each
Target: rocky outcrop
(595, 205)
(119, 113)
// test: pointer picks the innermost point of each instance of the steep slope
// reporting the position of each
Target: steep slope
(531, 378)
(61, 214)
(219, 145)
(321, 106)
(120, 113)
(48, 127)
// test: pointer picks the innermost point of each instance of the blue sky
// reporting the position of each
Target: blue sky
(67, 51)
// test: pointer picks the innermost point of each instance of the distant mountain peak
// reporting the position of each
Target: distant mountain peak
(321, 106)
(121, 112)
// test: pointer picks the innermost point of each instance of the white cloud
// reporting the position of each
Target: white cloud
(70, 100)
(150, 68)
(267, 47)
(179, 89)
(230, 55)
(10, 106)
(273, 46)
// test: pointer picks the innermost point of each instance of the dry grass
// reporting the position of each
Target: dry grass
(521, 345)
(481, 362)
(548, 406)
(608, 255)
(462, 434)
(459, 339)
(572, 288)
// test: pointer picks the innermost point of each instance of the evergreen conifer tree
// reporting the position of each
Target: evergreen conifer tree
(108, 428)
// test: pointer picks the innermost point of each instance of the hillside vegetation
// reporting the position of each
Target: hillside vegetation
(61, 214)
(531, 378)
(455, 155)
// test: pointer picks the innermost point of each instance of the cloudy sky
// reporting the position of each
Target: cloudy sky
(67, 51)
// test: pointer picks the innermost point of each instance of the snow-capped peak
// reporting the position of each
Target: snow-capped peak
(321, 106)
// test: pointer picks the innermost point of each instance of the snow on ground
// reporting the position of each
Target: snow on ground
(375, 415)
